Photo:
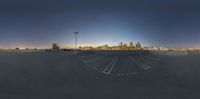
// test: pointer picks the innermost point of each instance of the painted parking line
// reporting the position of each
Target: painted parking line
(140, 64)
(110, 66)
(93, 59)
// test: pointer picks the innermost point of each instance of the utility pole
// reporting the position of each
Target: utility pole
(76, 38)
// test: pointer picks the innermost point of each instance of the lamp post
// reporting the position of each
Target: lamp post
(76, 38)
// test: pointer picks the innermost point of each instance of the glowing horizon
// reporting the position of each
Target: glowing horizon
(153, 23)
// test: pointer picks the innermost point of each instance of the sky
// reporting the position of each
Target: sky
(39, 23)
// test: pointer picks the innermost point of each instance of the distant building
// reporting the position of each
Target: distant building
(150, 48)
(115, 48)
(86, 48)
(163, 49)
(131, 44)
(138, 45)
(120, 44)
(125, 45)
(55, 46)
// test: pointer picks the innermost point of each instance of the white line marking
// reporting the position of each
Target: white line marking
(140, 64)
(110, 66)
(113, 65)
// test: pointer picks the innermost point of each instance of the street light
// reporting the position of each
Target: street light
(76, 37)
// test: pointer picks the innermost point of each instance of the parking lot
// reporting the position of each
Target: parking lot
(61, 75)
(119, 65)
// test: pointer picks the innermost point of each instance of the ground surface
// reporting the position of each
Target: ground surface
(62, 75)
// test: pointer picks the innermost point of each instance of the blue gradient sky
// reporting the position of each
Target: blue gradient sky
(38, 23)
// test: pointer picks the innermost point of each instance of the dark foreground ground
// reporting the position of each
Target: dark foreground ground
(61, 75)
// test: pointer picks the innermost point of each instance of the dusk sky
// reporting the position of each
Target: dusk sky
(39, 23)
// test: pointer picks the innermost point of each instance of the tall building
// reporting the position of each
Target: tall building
(120, 44)
(131, 44)
(138, 45)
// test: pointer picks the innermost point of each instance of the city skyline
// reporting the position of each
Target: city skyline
(118, 46)
(39, 23)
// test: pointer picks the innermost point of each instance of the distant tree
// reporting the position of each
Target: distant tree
(16, 48)
(80, 47)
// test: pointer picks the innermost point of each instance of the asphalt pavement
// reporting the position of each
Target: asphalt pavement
(62, 75)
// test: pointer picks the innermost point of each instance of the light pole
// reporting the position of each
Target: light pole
(76, 37)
